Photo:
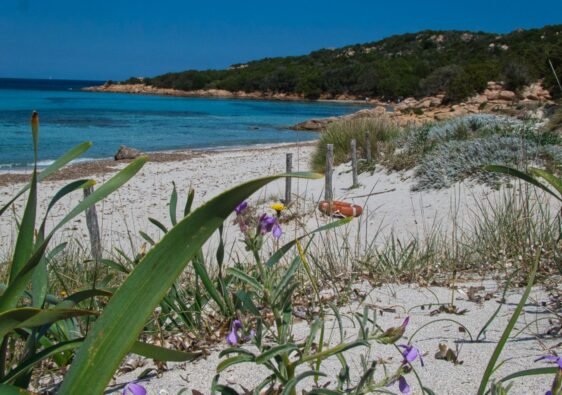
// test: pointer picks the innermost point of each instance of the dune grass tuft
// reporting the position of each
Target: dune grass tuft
(381, 132)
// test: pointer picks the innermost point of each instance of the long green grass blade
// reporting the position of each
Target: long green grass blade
(143, 349)
(505, 335)
(29, 363)
(158, 224)
(115, 265)
(411, 338)
(73, 186)
(80, 296)
(201, 271)
(28, 317)
(40, 275)
(283, 250)
(124, 317)
(234, 361)
(17, 285)
(287, 277)
(24, 242)
(235, 350)
(333, 351)
(163, 354)
(529, 372)
(482, 332)
(291, 384)
(323, 391)
(147, 238)
(51, 169)
(516, 173)
(550, 178)
(7, 389)
(174, 205)
(249, 280)
(189, 202)
(274, 351)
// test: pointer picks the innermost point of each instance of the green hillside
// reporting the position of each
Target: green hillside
(456, 63)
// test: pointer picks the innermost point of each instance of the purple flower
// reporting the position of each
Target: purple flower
(405, 323)
(403, 385)
(551, 358)
(410, 353)
(250, 336)
(134, 389)
(276, 231)
(241, 207)
(232, 339)
(236, 324)
(268, 224)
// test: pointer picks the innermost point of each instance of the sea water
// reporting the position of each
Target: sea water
(69, 116)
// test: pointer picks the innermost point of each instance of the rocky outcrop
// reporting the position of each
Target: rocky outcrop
(535, 92)
(427, 109)
(127, 153)
(219, 93)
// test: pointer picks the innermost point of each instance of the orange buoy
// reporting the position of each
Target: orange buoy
(340, 209)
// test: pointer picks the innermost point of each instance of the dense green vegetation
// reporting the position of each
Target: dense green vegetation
(416, 64)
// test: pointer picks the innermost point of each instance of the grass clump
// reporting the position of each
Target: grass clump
(381, 131)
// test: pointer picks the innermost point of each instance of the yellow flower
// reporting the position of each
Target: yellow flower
(278, 207)
(63, 294)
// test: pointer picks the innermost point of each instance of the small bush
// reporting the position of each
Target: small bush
(341, 133)
(420, 140)
(455, 161)
(516, 76)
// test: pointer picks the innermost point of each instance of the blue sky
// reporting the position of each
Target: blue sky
(120, 38)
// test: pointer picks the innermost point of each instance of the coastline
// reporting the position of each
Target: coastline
(141, 89)
(123, 214)
(102, 166)
(409, 111)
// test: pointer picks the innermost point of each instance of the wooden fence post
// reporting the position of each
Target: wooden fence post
(288, 180)
(368, 147)
(93, 228)
(354, 163)
(328, 188)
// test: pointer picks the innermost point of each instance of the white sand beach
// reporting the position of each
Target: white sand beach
(388, 202)
(389, 206)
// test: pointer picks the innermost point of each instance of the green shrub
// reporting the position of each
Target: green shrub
(341, 133)
(515, 76)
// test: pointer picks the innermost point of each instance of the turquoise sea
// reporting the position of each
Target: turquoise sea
(69, 116)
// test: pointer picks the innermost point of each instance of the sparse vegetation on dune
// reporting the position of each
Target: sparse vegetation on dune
(447, 152)
(61, 311)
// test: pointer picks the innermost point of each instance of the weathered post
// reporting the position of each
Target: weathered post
(93, 228)
(328, 188)
(368, 147)
(354, 163)
(288, 180)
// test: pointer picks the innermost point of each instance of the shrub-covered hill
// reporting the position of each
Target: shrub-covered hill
(457, 63)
